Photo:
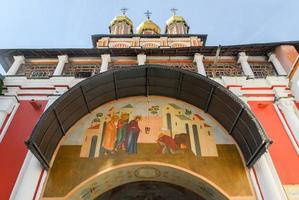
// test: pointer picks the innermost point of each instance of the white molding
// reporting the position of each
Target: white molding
(7, 124)
(271, 187)
(255, 184)
(28, 178)
(286, 128)
(40, 186)
(275, 175)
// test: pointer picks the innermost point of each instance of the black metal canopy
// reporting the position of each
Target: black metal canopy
(204, 93)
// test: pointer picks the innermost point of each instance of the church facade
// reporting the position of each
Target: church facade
(150, 115)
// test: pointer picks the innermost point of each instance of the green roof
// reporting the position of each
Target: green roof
(182, 117)
(175, 106)
(128, 106)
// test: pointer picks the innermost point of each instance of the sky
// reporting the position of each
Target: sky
(70, 23)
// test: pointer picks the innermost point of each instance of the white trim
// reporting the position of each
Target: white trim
(286, 128)
(40, 186)
(11, 116)
(28, 178)
(275, 175)
(255, 183)
(271, 187)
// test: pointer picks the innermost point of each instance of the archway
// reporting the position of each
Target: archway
(193, 88)
(205, 149)
(149, 190)
(146, 172)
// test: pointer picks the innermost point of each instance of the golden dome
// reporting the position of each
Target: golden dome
(176, 19)
(121, 18)
(148, 25)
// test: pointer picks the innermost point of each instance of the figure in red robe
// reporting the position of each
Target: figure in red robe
(167, 144)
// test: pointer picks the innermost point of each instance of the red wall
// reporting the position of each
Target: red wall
(283, 153)
(12, 148)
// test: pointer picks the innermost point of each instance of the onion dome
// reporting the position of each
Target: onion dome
(148, 26)
(121, 24)
(176, 24)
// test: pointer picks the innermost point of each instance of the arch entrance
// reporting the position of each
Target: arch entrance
(149, 190)
(149, 180)
(130, 140)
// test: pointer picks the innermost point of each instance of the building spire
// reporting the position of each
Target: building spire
(148, 14)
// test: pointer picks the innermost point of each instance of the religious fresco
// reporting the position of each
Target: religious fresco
(146, 130)
(123, 126)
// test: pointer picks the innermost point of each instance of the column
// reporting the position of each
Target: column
(6, 106)
(245, 65)
(279, 68)
(198, 58)
(141, 58)
(270, 185)
(18, 60)
(288, 107)
(61, 62)
(105, 62)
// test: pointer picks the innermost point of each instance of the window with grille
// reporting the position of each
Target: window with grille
(262, 70)
(117, 66)
(185, 66)
(37, 71)
(223, 69)
(81, 70)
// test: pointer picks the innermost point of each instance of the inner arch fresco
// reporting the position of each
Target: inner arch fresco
(146, 130)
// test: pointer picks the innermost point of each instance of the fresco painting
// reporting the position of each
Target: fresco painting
(125, 125)
(142, 131)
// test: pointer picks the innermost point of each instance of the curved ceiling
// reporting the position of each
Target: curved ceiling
(204, 93)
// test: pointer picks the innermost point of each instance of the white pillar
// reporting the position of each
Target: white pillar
(198, 59)
(141, 58)
(268, 180)
(105, 62)
(245, 65)
(16, 65)
(6, 106)
(288, 109)
(279, 68)
(61, 62)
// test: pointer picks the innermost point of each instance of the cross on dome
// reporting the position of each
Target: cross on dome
(148, 14)
(173, 10)
(124, 10)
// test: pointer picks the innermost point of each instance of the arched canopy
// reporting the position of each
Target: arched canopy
(204, 93)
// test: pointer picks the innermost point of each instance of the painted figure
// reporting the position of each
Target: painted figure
(132, 135)
(110, 135)
(121, 131)
(167, 144)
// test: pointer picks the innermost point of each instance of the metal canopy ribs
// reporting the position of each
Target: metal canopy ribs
(204, 93)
